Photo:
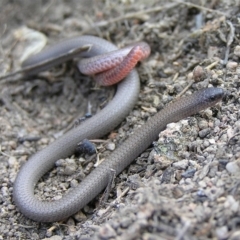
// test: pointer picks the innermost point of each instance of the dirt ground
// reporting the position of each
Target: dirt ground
(186, 185)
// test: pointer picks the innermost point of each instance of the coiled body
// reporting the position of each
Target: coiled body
(95, 127)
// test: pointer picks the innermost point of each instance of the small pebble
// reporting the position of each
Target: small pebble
(212, 141)
(111, 146)
(71, 225)
(231, 204)
(69, 170)
(156, 101)
(126, 222)
(11, 206)
(202, 184)
(203, 124)
(206, 143)
(169, 71)
(181, 165)
(237, 51)
(235, 236)
(178, 192)
(232, 65)
(4, 191)
(198, 74)
(12, 161)
(107, 232)
(80, 216)
(74, 183)
(222, 232)
(203, 133)
(233, 167)
(189, 173)
(60, 163)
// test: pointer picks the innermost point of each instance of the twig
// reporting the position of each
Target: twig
(183, 231)
(202, 8)
(4, 154)
(237, 134)
(131, 15)
(212, 65)
(116, 200)
(49, 62)
(112, 175)
(184, 90)
(229, 41)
